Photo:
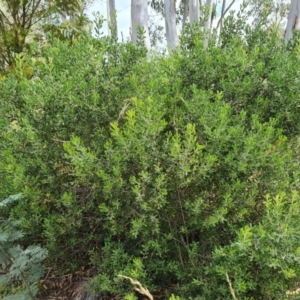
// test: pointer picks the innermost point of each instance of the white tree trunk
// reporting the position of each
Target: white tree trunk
(112, 18)
(194, 11)
(139, 18)
(293, 22)
(209, 4)
(207, 25)
(170, 19)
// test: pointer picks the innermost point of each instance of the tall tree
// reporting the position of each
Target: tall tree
(220, 23)
(170, 22)
(19, 20)
(224, 11)
(209, 7)
(139, 19)
(194, 10)
(267, 13)
(208, 22)
(112, 18)
(293, 22)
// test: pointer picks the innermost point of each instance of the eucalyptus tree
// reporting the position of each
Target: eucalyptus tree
(268, 13)
(139, 19)
(209, 8)
(194, 11)
(185, 11)
(224, 11)
(175, 13)
(112, 18)
(170, 23)
(293, 22)
(208, 22)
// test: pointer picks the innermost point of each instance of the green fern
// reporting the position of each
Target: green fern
(16, 264)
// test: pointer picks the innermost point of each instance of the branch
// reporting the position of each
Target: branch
(5, 17)
(230, 287)
(222, 13)
(225, 12)
(139, 288)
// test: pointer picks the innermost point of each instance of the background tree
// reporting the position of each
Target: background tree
(139, 18)
(112, 18)
(208, 22)
(293, 22)
(184, 5)
(21, 21)
(268, 13)
(224, 11)
(170, 23)
(194, 11)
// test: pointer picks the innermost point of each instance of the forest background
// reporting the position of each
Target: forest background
(128, 163)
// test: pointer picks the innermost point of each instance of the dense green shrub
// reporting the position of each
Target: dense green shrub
(256, 73)
(158, 170)
(265, 247)
(61, 100)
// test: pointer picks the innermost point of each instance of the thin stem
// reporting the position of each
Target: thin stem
(230, 288)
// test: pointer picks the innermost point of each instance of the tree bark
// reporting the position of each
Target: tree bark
(194, 11)
(139, 18)
(222, 15)
(170, 19)
(207, 25)
(293, 22)
(112, 18)
(209, 4)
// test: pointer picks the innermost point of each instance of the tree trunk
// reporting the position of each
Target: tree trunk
(112, 18)
(194, 11)
(293, 22)
(170, 19)
(139, 18)
(207, 25)
(209, 4)
(185, 14)
(222, 15)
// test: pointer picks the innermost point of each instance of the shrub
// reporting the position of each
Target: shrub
(254, 70)
(271, 247)
(159, 170)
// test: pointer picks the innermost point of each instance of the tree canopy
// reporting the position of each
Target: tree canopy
(24, 20)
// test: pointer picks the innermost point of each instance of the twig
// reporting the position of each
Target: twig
(58, 141)
(138, 287)
(230, 288)
(123, 110)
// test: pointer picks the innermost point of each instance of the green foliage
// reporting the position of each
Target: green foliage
(22, 21)
(159, 170)
(40, 125)
(271, 247)
(18, 265)
(268, 13)
(246, 71)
